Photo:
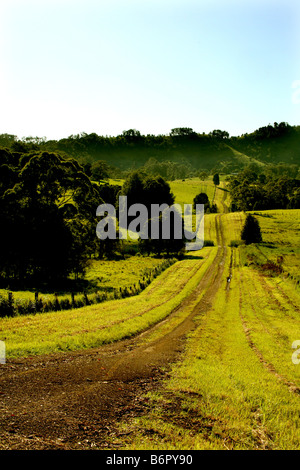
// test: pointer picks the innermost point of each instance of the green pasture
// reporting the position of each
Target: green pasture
(236, 386)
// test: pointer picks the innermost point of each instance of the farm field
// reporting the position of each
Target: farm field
(185, 191)
(193, 362)
(237, 387)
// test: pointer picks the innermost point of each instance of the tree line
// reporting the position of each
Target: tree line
(202, 151)
(251, 190)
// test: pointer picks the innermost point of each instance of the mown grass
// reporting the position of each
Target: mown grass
(108, 274)
(280, 233)
(236, 386)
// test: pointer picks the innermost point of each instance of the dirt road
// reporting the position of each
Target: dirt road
(75, 400)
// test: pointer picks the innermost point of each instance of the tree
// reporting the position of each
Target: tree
(295, 200)
(172, 245)
(203, 175)
(181, 132)
(251, 232)
(219, 134)
(216, 179)
(99, 170)
(133, 188)
(150, 190)
(147, 190)
(132, 136)
(157, 191)
(201, 198)
(47, 216)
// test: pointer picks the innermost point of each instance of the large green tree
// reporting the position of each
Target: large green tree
(47, 215)
(201, 198)
(154, 190)
(146, 189)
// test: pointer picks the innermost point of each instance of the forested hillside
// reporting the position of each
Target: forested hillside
(185, 150)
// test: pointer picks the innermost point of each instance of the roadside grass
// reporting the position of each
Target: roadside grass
(236, 386)
(171, 323)
(97, 324)
(222, 197)
(281, 237)
(272, 318)
(94, 325)
(232, 225)
(222, 395)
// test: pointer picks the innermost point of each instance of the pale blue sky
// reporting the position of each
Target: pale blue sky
(71, 66)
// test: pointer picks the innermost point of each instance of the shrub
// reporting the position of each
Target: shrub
(251, 232)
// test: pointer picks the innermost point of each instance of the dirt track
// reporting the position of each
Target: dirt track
(75, 400)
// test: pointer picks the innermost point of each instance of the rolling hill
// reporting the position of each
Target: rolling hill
(267, 145)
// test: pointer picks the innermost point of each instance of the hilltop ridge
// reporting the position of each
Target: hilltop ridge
(272, 144)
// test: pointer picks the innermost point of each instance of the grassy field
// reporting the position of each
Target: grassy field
(101, 275)
(92, 326)
(236, 387)
(185, 191)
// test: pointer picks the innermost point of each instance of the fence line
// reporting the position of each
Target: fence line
(12, 307)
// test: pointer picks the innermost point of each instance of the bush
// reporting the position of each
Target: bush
(251, 232)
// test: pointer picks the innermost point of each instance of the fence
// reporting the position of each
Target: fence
(9, 306)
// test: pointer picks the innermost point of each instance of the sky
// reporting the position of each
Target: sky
(105, 66)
